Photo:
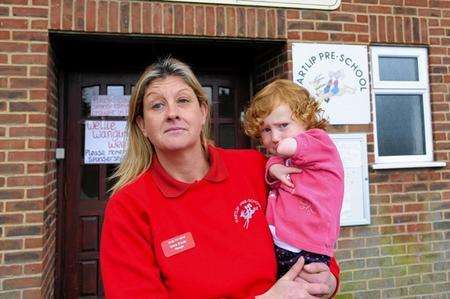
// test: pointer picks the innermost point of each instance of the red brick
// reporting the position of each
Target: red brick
(344, 37)
(11, 168)
(38, 71)
(21, 283)
(28, 83)
(30, 36)
(91, 15)
(34, 218)
(362, 19)
(26, 155)
(407, 29)
(354, 8)
(79, 14)
(30, 12)
(199, 20)
(113, 16)
(39, 24)
(378, 9)
(157, 17)
(356, 28)
(423, 3)
(4, 11)
(32, 268)
(251, 22)
(124, 17)
(390, 32)
(363, 38)
(38, 94)
(26, 180)
(315, 36)
(4, 35)
(136, 9)
(13, 270)
(10, 219)
(55, 14)
(67, 16)
(37, 119)
(102, 16)
(13, 23)
(35, 193)
(398, 29)
(12, 144)
(241, 17)
(178, 19)
(32, 294)
(11, 194)
(24, 205)
(271, 23)
(189, 20)
(293, 14)
(261, 22)
(168, 18)
(13, 47)
(7, 70)
(147, 17)
(29, 59)
(210, 24)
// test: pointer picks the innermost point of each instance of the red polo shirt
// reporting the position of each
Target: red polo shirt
(163, 238)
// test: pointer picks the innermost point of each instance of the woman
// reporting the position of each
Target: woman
(184, 222)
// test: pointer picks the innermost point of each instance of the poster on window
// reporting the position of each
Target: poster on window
(337, 76)
(353, 151)
(110, 105)
(104, 141)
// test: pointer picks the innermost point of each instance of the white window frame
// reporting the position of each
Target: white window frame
(420, 87)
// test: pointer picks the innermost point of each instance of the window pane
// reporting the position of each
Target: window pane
(87, 94)
(208, 91)
(398, 68)
(226, 102)
(115, 90)
(226, 136)
(89, 182)
(400, 125)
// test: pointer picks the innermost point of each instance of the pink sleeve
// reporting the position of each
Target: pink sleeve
(271, 161)
(128, 266)
(313, 147)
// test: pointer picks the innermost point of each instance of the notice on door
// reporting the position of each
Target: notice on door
(110, 105)
(104, 141)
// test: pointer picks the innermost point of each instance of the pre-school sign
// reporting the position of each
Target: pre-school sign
(104, 141)
(337, 76)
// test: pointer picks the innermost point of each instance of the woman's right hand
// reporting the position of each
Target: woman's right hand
(288, 288)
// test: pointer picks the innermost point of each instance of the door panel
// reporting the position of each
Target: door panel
(86, 185)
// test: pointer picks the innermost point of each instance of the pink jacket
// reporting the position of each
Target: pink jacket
(307, 216)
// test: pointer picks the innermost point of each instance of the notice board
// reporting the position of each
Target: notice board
(353, 151)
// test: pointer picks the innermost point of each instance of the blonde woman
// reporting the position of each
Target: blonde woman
(185, 220)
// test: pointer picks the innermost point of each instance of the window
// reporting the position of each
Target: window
(401, 93)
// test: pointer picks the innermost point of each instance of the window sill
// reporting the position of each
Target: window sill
(432, 164)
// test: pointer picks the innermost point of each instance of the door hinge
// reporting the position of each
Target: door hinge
(60, 153)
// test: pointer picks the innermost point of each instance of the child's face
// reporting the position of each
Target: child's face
(279, 125)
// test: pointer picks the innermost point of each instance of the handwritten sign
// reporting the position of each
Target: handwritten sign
(337, 76)
(104, 142)
(110, 105)
(353, 151)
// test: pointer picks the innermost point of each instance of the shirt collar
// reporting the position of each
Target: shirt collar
(171, 187)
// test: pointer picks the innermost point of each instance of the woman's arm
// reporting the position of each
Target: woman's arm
(128, 267)
(318, 274)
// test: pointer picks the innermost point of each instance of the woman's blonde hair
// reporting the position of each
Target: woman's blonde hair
(304, 107)
(139, 153)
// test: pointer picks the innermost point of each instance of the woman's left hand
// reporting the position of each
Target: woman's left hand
(318, 275)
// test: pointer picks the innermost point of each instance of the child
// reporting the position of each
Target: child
(304, 205)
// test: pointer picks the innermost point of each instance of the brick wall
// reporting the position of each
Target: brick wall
(404, 253)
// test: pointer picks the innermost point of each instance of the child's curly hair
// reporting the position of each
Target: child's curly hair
(304, 107)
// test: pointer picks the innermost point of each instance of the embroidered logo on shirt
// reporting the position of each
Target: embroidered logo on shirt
(245, 211)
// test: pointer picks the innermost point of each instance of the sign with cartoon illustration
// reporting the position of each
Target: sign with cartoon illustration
(337, 76)
(104, 141)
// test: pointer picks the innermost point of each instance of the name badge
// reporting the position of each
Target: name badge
(177, 244)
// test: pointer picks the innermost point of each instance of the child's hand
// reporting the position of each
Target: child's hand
(287, 147)
(282, 173)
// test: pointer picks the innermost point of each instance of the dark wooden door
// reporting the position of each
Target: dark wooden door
(86, 185)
